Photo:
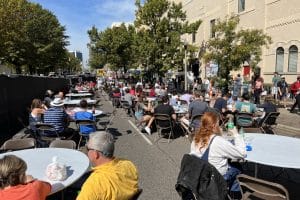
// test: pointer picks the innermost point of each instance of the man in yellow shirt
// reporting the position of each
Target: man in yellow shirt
(112, 178)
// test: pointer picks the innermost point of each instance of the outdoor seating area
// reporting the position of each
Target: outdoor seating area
(264, 165)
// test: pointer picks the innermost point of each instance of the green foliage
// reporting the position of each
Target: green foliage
(231, 48)
(112, 46)
(30, 37)
(159, 26)
(153, 41)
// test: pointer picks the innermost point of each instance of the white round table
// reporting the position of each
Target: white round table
(72, 111)
(77, 101)
(79, 95)
(38, 159)
(274, 150)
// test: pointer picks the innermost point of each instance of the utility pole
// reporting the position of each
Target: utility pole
(185, 66)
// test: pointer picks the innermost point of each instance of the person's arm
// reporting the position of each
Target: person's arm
(236, 151)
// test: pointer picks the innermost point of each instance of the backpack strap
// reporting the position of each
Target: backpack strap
(205, 155)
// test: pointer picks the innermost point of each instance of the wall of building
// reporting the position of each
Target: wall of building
(280, 19)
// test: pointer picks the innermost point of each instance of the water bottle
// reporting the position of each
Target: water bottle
(230, 124)
(242, 133)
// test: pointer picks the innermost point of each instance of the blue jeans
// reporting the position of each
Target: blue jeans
(230, 178)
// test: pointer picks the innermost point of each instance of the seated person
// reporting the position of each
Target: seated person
(186, 97)
(132, 90)
(48, 98)
(220, 149)
(268, 107)
(116, 92)
(35, 116)
(196, 107)
(57, 116)
(111, 178)
(221, 103)
(15, 184)
(245, 106)
(140, 108)
(163, 108)
(84, 114)
(130, 99)
(152, 92)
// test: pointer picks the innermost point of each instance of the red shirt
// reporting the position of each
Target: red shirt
(35, 190)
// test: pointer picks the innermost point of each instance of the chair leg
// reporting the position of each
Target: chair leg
(78, 146)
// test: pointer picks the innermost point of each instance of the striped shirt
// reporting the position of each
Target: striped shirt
(57, 117)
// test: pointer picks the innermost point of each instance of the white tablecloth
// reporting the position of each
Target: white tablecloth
(274, 150)
(77, 101)
(79, 94)
(38, 159)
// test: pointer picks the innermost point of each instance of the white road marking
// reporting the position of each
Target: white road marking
(139, 132)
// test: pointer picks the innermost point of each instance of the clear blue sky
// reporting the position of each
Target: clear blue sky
(78, 16)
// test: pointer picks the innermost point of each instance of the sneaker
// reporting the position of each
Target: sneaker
(148, 130)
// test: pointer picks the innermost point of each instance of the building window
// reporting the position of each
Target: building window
(279, 59)
(193, 37)
(241, 5)
(293, 58)
(212, 28)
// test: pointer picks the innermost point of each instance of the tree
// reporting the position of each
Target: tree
(30, 36)
(231, 48)
(113, 46)
(160, 25)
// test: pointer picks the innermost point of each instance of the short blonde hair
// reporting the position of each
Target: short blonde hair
(12, 171)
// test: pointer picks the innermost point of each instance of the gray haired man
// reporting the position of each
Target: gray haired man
(111, 178)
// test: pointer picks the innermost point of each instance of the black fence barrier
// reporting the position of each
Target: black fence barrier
(16, 94)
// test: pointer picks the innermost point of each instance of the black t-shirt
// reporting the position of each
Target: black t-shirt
(220, 103)
(164, 109)
(268, 107)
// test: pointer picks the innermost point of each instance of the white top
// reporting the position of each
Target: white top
(220, 150)
(77, 101)
(79, 94)
(38, 159)
(274, 150)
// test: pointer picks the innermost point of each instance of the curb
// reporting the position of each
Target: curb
(288, 127)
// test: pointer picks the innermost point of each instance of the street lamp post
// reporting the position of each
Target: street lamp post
(185, 65)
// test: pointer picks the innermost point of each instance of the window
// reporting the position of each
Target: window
(193, 37)
(212, 28)
(241, 5)
(293, 58)
(279, 59)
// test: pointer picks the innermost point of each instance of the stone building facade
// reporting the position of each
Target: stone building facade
(279, 19)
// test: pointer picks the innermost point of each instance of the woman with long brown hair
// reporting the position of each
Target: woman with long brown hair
(220, 150)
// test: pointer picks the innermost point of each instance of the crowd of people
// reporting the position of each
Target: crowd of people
(115, 178)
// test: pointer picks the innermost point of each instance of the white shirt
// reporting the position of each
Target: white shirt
(220, 150)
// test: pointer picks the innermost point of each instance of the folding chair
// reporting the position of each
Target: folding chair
(244, 119)
(269, 122)
(126, 106)
(84, 122)
(67, 144)
(18, 144)
(254, 188)
(163, 122)
(45, 134)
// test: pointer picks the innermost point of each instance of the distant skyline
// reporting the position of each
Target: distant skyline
(78, 16)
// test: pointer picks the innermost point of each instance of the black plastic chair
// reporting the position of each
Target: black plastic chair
(269, 122)
(164, 122)
(45, 133)
(84, 122)
(244, 119)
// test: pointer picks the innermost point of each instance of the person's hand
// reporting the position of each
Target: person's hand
(233, 132)
(29, 179)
